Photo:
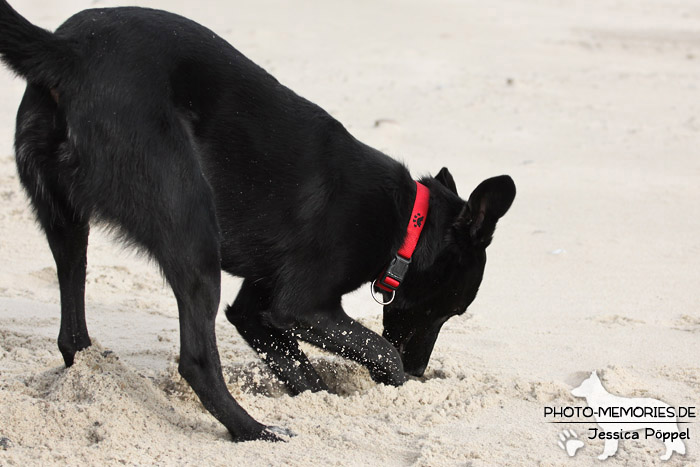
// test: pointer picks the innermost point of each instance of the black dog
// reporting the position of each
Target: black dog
(153, 124)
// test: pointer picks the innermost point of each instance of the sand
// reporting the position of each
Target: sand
(592, 107)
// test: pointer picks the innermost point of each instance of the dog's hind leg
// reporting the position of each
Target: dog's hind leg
(44, 166)
(277, 347)
(68, 244)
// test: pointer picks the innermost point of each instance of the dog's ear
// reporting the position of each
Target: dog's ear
(487, 203)
(445, 177)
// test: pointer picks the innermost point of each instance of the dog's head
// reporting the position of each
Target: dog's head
(445, 276)
(588, 386)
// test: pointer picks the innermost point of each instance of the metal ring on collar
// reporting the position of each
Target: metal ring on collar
(374, 294)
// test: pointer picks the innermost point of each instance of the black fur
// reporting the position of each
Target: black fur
(151, 123)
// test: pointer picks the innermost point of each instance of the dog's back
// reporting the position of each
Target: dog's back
(305, 178)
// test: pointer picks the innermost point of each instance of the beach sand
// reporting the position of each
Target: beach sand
(592, 107)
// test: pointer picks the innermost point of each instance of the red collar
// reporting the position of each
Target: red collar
(393, 275)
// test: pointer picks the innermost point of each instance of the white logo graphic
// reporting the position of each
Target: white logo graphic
(623, 417)
(569, 442)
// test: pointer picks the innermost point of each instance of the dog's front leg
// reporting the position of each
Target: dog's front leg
(199, 357)
(336, 332)
(282, 354)
(189, 254)
(278, 348)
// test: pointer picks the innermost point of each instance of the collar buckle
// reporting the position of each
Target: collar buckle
(393, 275)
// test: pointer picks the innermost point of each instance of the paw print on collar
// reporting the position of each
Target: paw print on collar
(418, 220)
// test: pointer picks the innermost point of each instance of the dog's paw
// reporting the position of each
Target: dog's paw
(569, 442)
(278, 430)
(390, 373)
(276, 433)
(390, 378)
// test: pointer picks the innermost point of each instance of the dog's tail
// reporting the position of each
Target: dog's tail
(35, 54)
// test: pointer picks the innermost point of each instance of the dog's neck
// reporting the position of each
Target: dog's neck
(444, 207)
(386, 196)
